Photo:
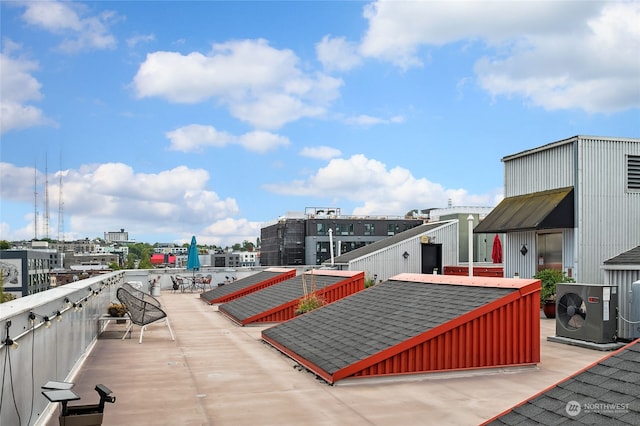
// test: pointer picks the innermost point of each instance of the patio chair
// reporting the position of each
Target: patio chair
(141, 294)
(175, 286)
(141, 313)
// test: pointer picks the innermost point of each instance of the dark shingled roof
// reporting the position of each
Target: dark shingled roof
(631, 257)
(387, 242)
(528, 212)
(275, 295)
(368, 322)
(233, 287)
(608, 393)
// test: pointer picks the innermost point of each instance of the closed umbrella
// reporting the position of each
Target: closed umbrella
(496, 253)
(193, 261)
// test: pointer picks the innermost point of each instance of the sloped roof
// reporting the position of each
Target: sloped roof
(387, 242)
(367, 323)
(540, 210)
(614, 380)
(631, 257)
(221, 292)
(291, 290)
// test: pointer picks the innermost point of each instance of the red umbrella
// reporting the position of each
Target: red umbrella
(496, 253)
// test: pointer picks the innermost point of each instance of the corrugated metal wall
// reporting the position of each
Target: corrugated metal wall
(508, 335)
(389, 261)
(608, 217)
(514, 261)
(330, 294)
(623, 278)
(544, 169)
(258, 286)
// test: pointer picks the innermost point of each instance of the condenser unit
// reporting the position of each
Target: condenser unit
(587, 312)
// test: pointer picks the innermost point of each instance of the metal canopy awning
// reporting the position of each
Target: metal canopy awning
(540, 210)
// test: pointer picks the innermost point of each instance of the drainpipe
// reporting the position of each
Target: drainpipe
(470, 220)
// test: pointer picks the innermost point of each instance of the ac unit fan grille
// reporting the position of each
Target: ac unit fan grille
(572, 311)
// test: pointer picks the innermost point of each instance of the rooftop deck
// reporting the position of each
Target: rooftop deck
(217, 373)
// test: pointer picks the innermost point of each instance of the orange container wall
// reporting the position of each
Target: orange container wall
(508, 335)
(256, 287)
(332, 293)
(478, 271)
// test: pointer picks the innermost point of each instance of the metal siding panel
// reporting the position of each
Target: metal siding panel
(514, 261)
(552, 168)
(623, 280)
(608, 216)
(505, 336)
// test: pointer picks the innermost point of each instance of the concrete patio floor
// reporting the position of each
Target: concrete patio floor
(217, 373)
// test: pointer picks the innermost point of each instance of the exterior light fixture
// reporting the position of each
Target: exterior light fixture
(405, 255)
(46, 321)
(524, 250)
(32, 318)
(67, 302)
(58, 316)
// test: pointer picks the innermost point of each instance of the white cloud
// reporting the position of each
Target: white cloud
(596, 72)
(19, 87)
(261, 141)
(320, 152)
(260, 85)
(380, 190)
(230, 231)
(194, 137)
(140, 38)
(368, 120)
(113, 196)
(69, 19)
(557, 55)
(338, 54)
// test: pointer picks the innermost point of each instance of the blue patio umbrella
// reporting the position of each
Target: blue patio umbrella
(193, 261)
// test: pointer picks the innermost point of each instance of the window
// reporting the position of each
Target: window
(633, 173)
(369, 229)
(344, 229)
(322, 228)
(392, 228)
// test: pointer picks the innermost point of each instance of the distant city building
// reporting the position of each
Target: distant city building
(90, 260)
(117, 236)
(25, 272)
(305, 238)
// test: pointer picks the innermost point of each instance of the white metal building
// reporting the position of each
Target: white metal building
(570, 204)
(417, 250)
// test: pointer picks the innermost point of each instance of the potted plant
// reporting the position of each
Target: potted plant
(117, 310)
(549, 278)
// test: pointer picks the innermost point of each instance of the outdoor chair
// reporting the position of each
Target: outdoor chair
(175, 286)
(141, 294)
(141, 313)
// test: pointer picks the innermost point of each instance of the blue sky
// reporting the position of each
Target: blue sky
(172, 119)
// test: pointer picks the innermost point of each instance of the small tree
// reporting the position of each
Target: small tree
(4, 297)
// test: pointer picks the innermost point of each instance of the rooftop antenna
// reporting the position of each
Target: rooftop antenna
(45, 219)
(60, 207)
(35, 201)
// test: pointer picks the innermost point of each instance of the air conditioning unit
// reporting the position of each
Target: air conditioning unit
(587, 312)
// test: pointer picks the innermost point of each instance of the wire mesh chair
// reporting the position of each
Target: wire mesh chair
(141, 313)
(141, 294)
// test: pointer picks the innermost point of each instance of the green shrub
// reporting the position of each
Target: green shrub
(549, 278)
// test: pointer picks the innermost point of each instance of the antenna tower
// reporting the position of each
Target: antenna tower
(60, 207)
(35, 202)
(45, 221)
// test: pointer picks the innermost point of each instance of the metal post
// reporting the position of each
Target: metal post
(470, 220)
